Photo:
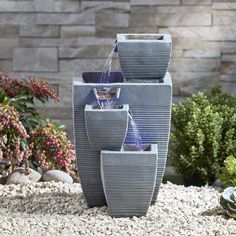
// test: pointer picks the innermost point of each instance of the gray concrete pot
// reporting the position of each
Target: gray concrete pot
(129, 179)
(106, 128)
(144, 56)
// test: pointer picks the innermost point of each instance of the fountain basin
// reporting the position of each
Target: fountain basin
(106, 128)
(144, 56)
(150, 104)
(128, 179)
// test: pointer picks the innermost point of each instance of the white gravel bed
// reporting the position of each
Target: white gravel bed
(60, 209)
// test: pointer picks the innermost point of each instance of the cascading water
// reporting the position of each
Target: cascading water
(105, 102)
(137, 137)
(107, 66)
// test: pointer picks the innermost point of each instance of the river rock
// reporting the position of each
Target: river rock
(57, 176)
(3, 179)
(20, 177)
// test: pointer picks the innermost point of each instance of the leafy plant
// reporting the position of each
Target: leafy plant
(17, 97)
(204, 133)
(51, 148)
(13, 138)
(228, 173)
(228, 201)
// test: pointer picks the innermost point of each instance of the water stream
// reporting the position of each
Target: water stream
(109, 103)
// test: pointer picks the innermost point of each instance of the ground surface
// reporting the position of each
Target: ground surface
(60, 209)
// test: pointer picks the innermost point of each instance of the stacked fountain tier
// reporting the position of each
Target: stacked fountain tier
(144, 56)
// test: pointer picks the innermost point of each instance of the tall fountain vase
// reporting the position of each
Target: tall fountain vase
(129, 178)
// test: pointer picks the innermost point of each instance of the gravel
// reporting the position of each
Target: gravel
(60, 209)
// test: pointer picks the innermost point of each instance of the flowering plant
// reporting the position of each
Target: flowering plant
(13, 138)
(51, 148)
(25, 135)
(22, 93)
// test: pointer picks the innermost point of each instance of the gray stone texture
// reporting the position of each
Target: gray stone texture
(35, 59)
(62, 36)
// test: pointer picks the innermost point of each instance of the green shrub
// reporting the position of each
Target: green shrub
(228, 174)
(204, 133)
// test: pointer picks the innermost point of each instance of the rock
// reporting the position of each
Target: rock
(3, 179)
(57, 176)
(20, 177)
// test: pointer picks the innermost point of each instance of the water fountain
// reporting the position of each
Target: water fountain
(122, 139)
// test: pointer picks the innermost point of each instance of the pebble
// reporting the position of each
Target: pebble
(20, 177)
(53, 208)
(57, 176)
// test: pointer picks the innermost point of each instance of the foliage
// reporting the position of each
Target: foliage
(13, 137)
(22, 94)
(204, 133)
(51, 148)
(17, 102)
(228, 173)
(228, 201)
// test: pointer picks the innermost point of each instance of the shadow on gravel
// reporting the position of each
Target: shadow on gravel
(216, 211)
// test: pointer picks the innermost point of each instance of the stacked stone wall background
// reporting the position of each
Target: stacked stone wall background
(54, 38)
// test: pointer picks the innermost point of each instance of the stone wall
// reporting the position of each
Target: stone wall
(54, 38)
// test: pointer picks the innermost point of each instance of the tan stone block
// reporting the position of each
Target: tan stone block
(187, 78)
(7, 46)
(9, 31)
(16, 6)
(202, 53)
(228, 78)
(85, 65)
(77, 31)
(94, 6)
(229, 57)
(196, 2)
(84, 18)
(17, 18)
(39, 31)
(140, 10)
(228, 47)
(155, 2)
(6, 65)
(104, 31)
(229, 87)
(215, 33)
(224, 5)
(35, 59)
(85, 52)
(224, 18)
(39, 42)
(112, 19)
(177, 53)
(175, 19)
(194, 65)
(57, 5)
(228, 68)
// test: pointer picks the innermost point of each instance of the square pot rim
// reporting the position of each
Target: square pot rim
(78, 81)
(90, 108)
(153, 150)
(122, 38)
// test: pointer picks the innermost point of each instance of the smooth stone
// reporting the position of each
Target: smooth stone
(3, 179)
(20, 177)
(57, 176)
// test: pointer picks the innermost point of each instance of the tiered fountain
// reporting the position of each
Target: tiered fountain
(122, 125)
